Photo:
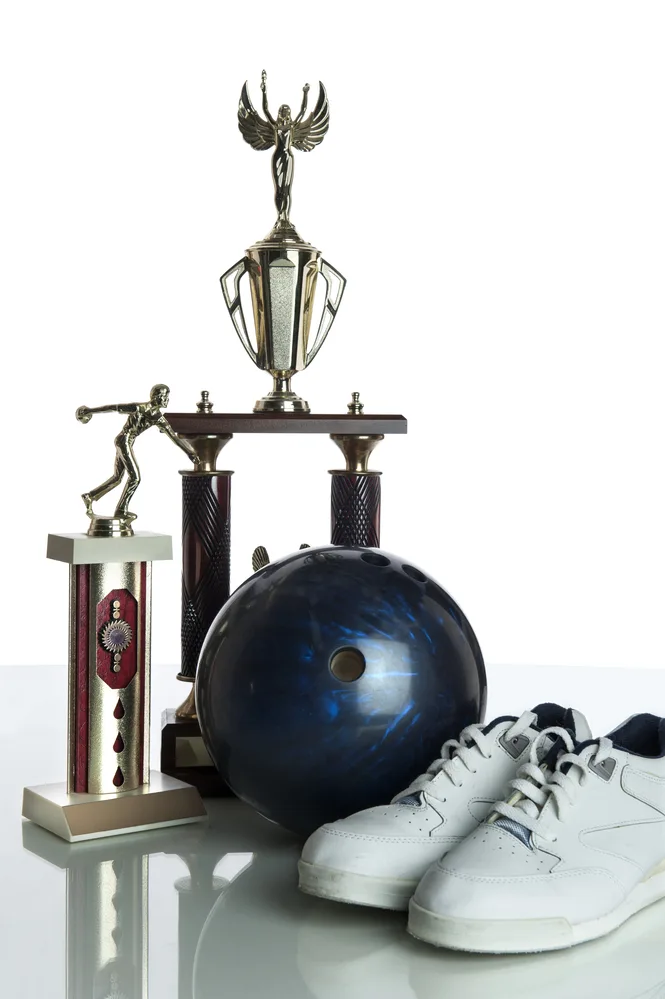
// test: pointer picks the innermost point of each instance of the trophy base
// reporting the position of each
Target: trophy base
(281, 402)
(111, 527)
(76, 817)
(185, 757)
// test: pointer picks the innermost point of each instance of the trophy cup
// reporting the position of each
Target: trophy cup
(110, 789)
(283, 269)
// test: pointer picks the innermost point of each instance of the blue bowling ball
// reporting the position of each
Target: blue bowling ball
(329, 681)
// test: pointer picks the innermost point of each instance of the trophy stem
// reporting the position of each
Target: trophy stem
(282, 398)
(187, 710)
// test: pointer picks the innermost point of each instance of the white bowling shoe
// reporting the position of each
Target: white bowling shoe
(376, 857)
(572, 854)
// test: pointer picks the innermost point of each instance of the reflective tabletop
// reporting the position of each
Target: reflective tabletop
(213, 910)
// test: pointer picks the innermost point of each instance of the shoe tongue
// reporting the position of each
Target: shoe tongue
(547, 715)
(551, 754)
(550, 715)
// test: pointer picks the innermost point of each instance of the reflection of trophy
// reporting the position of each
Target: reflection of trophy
(106, 912)
(110, 788)
(108, 906)
(283, 268)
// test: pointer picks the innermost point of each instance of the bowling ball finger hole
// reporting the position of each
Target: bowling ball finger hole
(347, 664)
(373, 558)
(414, 573)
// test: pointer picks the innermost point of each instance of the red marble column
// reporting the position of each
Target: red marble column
(206, 559)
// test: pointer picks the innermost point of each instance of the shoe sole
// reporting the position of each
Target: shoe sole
(527, 936)
(355, 889)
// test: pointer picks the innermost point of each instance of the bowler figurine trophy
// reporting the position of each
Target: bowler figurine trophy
(284, 272)
(110, 788)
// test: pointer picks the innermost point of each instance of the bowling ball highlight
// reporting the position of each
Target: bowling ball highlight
(330, 679)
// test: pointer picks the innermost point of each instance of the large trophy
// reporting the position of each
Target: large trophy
(110, 788)
(283, 269)
(283, 275)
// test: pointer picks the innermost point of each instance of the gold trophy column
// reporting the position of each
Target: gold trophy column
(355, 492)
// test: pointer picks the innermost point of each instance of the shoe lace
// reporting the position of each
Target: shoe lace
(535, 787)
(461, 752)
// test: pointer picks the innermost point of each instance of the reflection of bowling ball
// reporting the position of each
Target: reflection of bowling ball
(265, 939)
(330, 680)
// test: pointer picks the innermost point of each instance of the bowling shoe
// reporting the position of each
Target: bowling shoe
(376, 857)
(576, 850)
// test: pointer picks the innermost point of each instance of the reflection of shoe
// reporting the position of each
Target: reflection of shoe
(377, 856)
(572, 855)
(629, 964)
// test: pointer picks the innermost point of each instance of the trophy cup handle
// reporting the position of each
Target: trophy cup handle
(329, 274)
(234, 305)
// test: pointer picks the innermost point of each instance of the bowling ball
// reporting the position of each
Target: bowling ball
(330, 679)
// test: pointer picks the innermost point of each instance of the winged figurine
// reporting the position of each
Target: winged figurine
(284, 133)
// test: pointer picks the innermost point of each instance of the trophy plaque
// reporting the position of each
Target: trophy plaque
(109, 788)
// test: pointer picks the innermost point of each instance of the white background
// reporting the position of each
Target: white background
(492, 186)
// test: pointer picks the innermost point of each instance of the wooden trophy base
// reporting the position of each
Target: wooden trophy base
(185, 757)
(75, 817)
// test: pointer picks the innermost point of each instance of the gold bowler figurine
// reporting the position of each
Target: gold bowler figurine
(141, 416)
(283, 268)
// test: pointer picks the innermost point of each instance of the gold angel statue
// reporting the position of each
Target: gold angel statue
(284, 133)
